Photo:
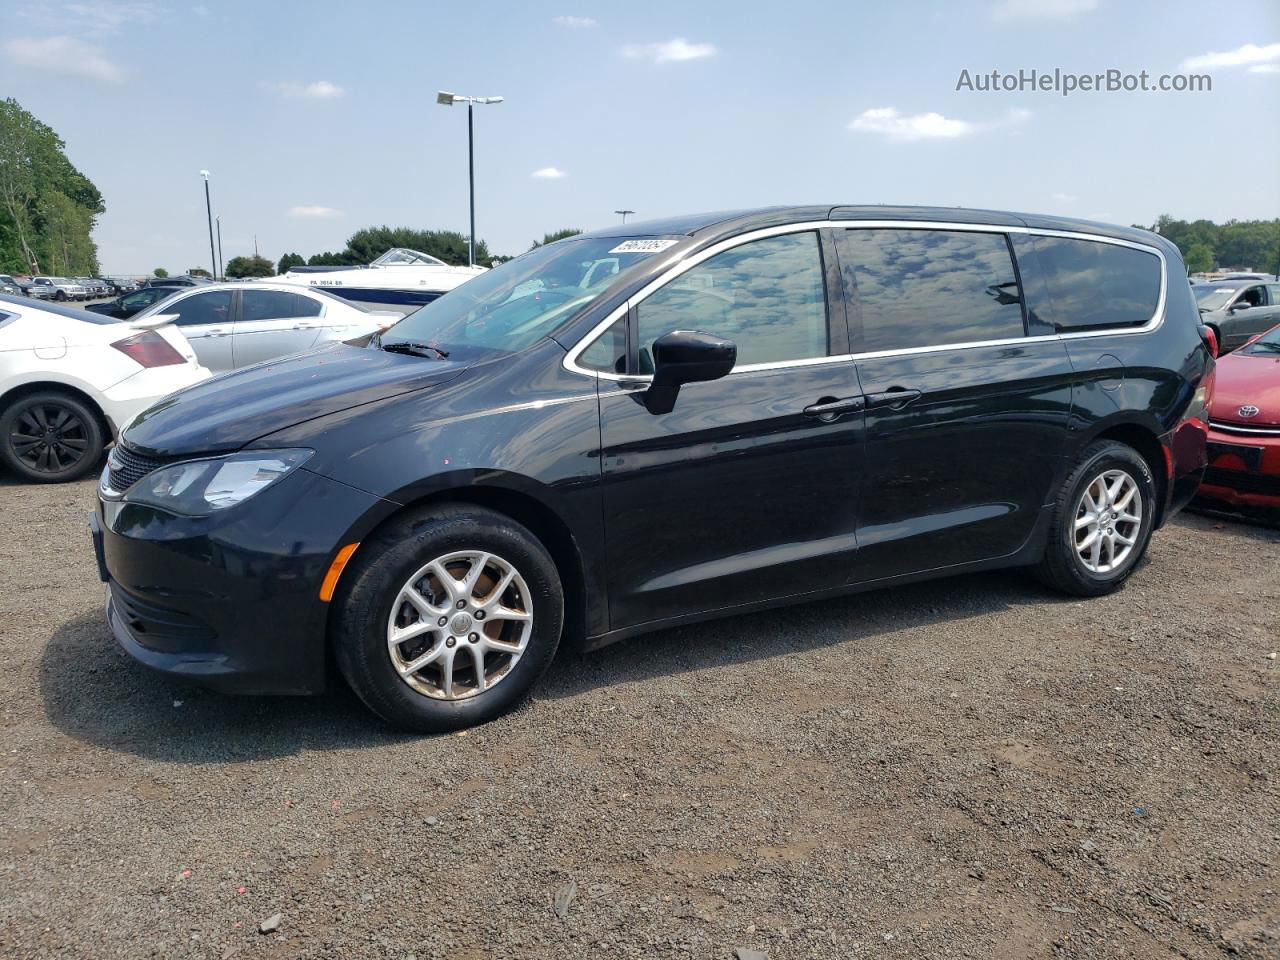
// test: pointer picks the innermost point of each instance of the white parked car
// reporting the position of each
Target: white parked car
(70, 380)
(231, 325)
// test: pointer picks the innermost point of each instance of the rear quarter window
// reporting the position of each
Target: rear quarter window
(1088, 284)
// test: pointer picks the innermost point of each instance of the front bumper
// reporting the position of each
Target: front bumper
(233, 601)
(1244, 469)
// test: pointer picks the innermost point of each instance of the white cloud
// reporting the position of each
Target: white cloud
(306, 211)
(62, 54)
(888, 122)
(319, 90)
(548, 173)
(1241, 56)
(575, 23)
(1041, 9)
(671, 51)
(104, 15)
(1265, 68)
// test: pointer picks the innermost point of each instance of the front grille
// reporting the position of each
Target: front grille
(1245, 429)
(158, 627)
(1243, 482)
(125, 468)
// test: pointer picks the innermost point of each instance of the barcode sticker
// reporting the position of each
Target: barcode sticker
(643, 246)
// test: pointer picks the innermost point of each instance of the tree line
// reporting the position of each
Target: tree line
(48, 208)
(1236, 244)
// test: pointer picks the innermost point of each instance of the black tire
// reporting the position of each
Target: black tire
(50, 437)
(371, 585)
(1062, 567)
(61, 295)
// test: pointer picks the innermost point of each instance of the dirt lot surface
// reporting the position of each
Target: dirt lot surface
(970, 768)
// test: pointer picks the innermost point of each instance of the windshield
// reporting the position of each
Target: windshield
(1268, 343)
(514, 305)
(1212, 298)
(402, 256)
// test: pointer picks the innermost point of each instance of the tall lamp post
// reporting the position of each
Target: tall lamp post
(208, 209)
(446, 99)
(624, 214)
(219, 273)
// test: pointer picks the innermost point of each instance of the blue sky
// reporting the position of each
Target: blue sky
(319, 118)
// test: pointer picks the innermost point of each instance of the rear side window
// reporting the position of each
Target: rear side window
(767, 296)
(276, 305)
(212, 307)
(927, 288)
(1089, 284)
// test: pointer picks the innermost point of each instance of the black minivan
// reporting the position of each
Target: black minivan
(655, 424)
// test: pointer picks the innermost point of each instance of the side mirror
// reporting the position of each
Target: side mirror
(1240, 305)
(685, 356)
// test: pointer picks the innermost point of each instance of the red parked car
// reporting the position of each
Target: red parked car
(1244, 426)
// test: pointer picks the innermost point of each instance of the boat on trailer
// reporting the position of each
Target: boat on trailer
(400, 278)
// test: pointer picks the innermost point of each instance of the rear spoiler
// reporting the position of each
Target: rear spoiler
(152, 322)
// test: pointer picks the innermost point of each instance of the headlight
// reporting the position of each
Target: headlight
(197, 488)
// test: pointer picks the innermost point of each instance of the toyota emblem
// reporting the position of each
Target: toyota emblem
(1248, 410)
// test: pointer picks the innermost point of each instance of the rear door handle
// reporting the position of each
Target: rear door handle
(303, 326)
(829, 409)
(895, 398)
(219, 333)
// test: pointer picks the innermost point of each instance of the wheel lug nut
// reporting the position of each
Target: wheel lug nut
(450, 642)
(442, 621)
(479, 614)
(461, 604)
(474, 637)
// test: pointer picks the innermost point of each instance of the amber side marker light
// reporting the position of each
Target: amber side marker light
(335, 571)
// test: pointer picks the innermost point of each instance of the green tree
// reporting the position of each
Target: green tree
(327, 259)
(288, 262)
(1239, 244)
(254, 266)
(161, 272)
(1199, 258)
(553, 237)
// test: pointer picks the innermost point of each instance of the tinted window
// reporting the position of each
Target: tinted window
(1254, 297)
(276, 305)
(212, 307)
(767, 296)
(1092, 284)
(144, 298)
(608, 353)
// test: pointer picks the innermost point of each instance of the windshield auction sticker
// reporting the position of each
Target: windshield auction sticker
(643, 246)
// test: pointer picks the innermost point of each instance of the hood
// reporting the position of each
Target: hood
(1251, 380)
(229, 411)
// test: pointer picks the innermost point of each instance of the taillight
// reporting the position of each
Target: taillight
(1210, 339)
(149, 349)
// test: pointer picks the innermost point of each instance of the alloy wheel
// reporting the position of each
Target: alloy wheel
(1108, 521)
(48, 437)
(459, 625)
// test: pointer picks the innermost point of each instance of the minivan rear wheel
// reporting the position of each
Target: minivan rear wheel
(1102, 521)
(447, 618)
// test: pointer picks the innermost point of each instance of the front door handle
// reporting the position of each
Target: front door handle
(828, 408)
(895, 398)
(218, 333)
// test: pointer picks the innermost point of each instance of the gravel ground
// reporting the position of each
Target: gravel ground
(968, 768)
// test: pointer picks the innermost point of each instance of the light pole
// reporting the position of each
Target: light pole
(624, 214)
(446, 99)
(219, 273)
(208, 209)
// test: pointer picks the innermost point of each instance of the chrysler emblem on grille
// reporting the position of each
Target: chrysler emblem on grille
(1248, 410)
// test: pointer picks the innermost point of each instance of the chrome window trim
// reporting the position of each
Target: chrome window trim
(676, 266)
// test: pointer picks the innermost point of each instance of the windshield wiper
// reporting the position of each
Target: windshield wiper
(416, 348)
(1265, 346)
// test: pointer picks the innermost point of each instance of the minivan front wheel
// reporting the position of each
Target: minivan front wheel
(448, 619)
(1102, 521)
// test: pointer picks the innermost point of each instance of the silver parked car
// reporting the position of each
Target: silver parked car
(62, 288)
(1238, 309)
(232, 325)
